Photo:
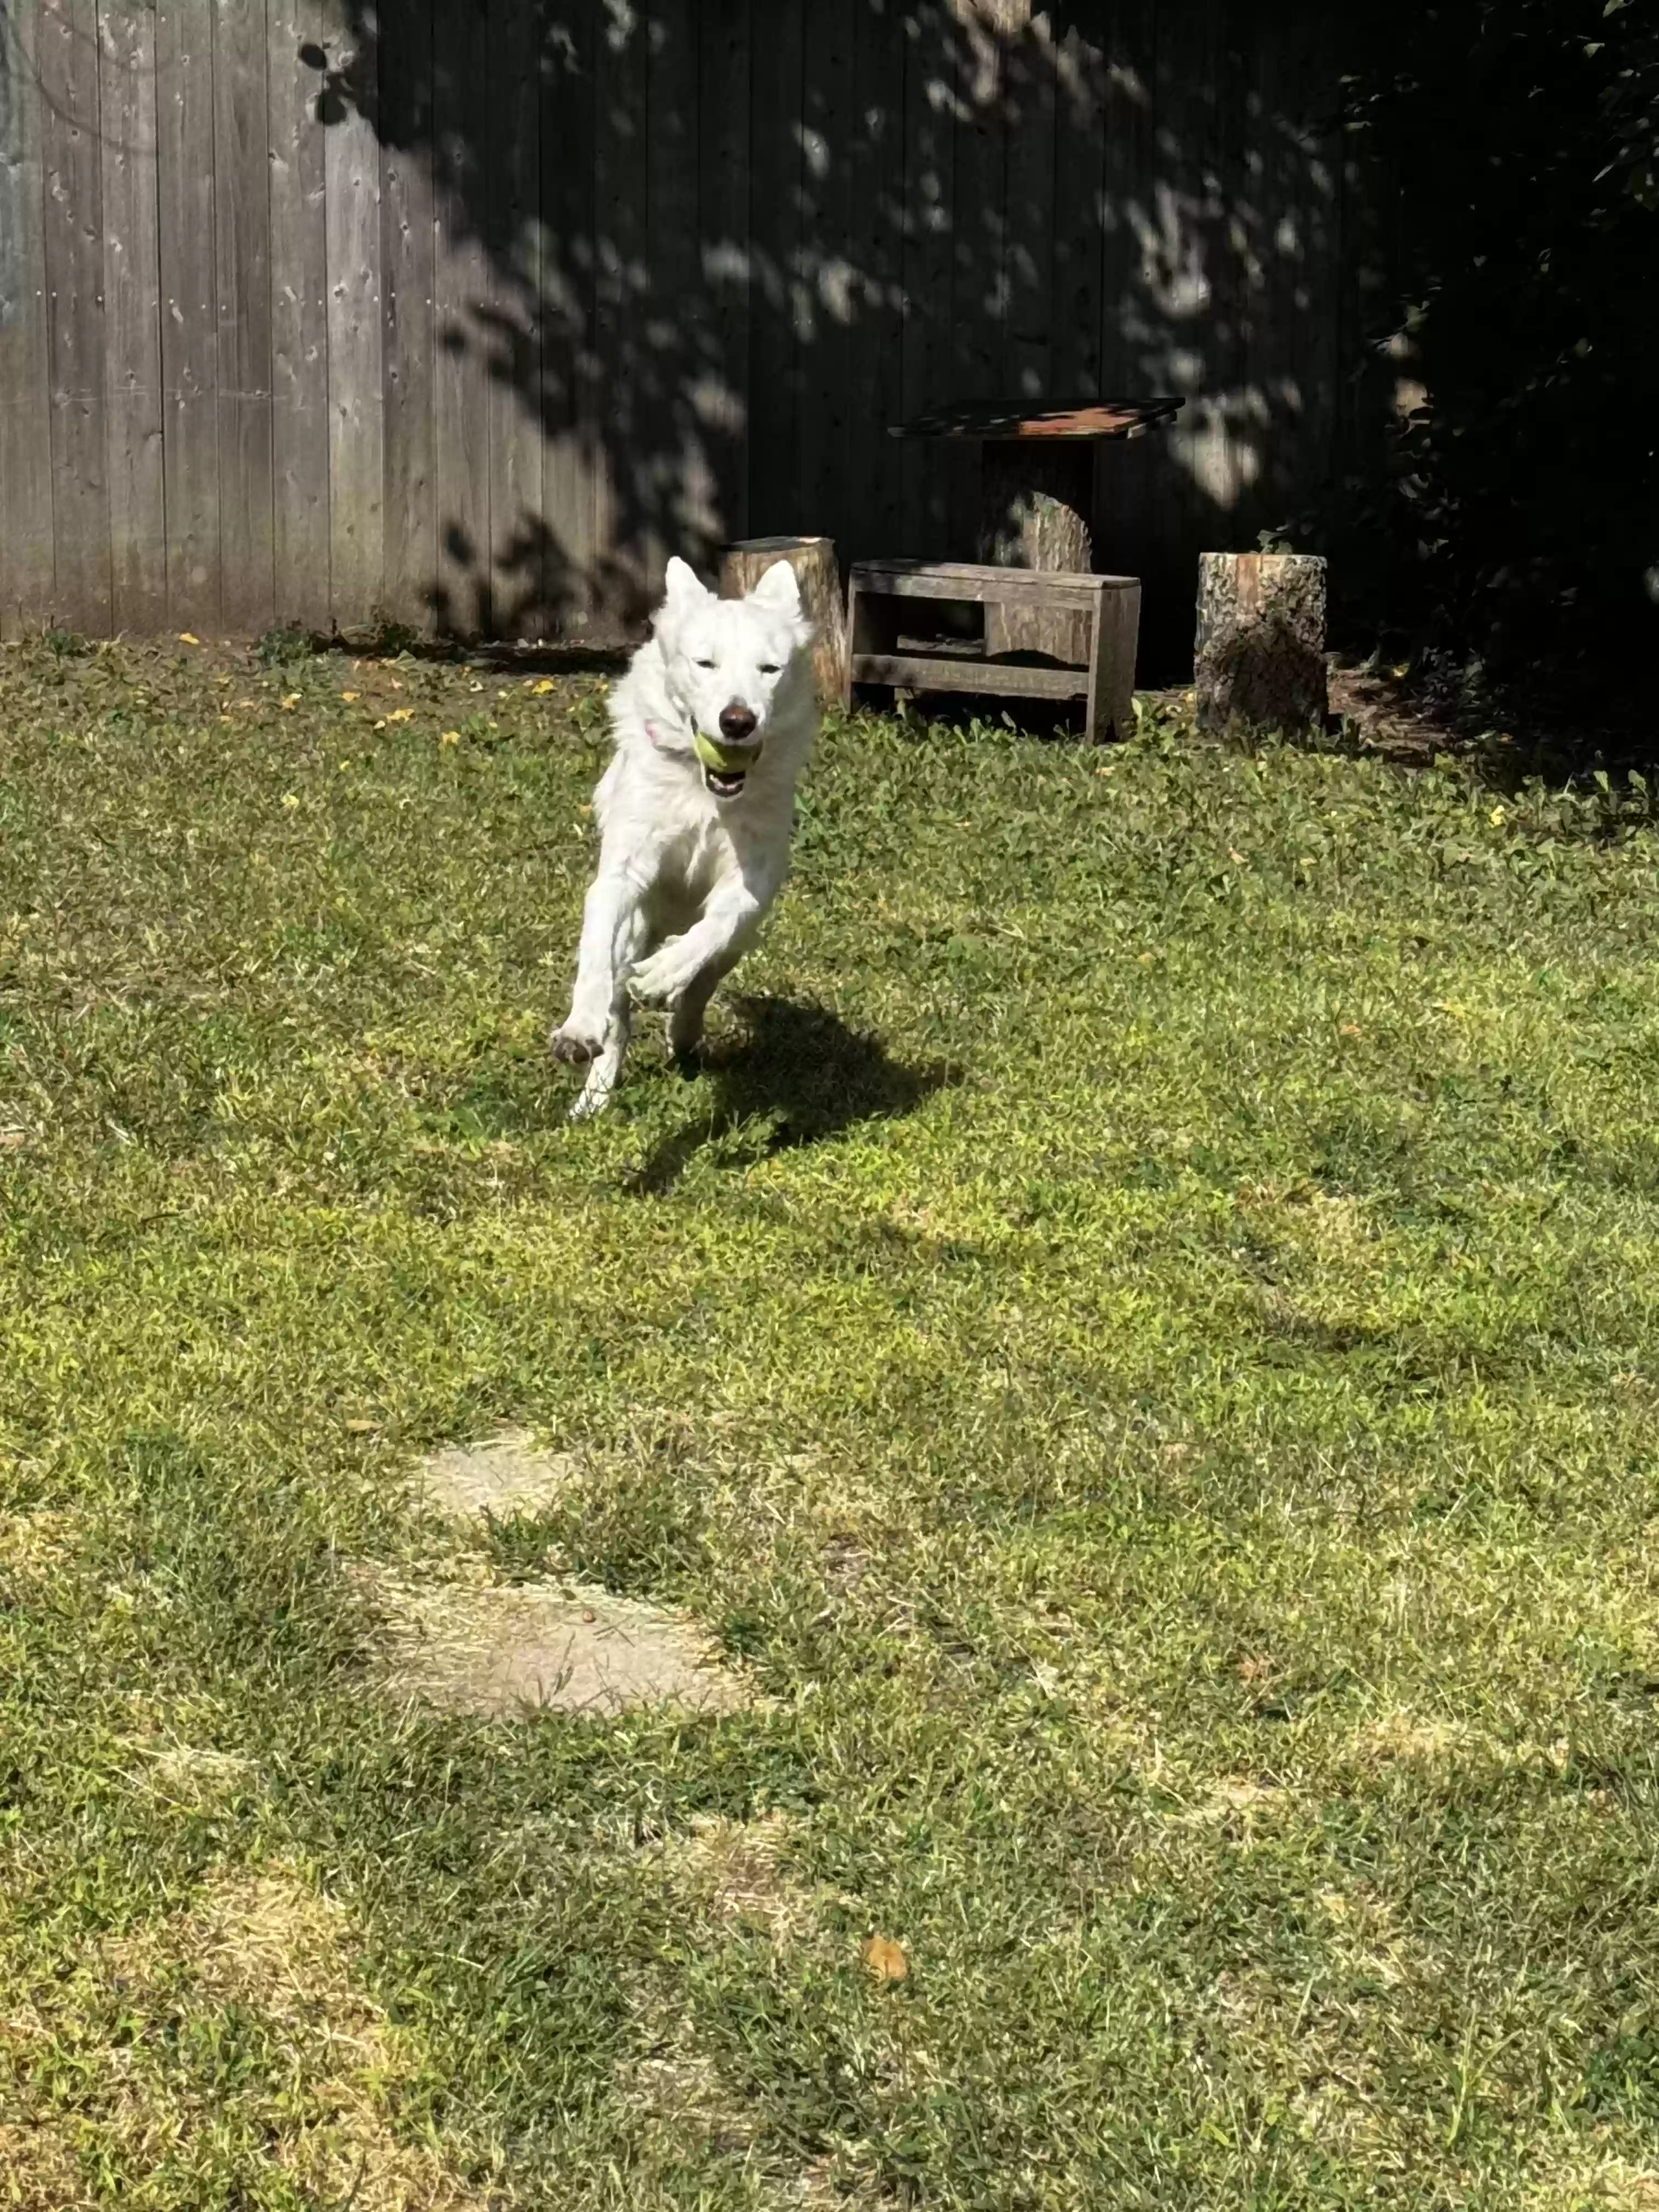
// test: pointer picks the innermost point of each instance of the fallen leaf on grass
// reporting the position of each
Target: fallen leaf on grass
(450, 737)
(401, 714)
(885, 1958)
(349, 697)
(11, 1139)
(188, 637)
(290, 701)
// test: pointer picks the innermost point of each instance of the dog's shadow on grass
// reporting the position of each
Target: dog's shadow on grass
(801, 1069)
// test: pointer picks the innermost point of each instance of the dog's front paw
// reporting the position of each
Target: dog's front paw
(575, 1046)
(658, 982)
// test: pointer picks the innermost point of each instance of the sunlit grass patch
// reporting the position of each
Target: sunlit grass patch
(1138, 1352)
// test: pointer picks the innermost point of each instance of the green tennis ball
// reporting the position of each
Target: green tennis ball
(716, 756)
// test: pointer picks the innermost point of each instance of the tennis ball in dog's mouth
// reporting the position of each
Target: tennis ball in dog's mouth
(714, 755)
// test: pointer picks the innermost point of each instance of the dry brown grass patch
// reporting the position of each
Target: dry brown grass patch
(98, 2063)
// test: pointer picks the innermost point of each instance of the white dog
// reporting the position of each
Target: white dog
(713, 722)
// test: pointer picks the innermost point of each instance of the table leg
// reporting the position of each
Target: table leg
(1036, 495)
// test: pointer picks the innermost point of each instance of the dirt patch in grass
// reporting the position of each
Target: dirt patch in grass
(496, 1651)
(220, 2042)
(501, 1475)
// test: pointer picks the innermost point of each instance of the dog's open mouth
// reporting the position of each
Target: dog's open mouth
(724, 767)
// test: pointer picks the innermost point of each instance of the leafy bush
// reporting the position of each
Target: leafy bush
(1514, 142)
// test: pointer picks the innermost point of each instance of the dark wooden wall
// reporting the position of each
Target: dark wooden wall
(469, 311)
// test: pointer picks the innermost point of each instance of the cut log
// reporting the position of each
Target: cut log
(1261, 649)
(1036, 496)
(813, 560)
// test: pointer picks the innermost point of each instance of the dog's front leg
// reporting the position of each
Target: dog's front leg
(716, 942)
(612, 927)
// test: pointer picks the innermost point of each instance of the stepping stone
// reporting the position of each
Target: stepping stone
(497, 1651)
(502, 1475)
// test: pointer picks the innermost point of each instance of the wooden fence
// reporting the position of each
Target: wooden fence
(467, 313)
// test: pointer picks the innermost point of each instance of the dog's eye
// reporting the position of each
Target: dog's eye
(771, 667)
(708, 664)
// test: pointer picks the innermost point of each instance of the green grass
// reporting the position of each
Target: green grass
(1143, 1342)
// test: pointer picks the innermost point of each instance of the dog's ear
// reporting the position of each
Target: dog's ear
(683, 591)
(779, 589)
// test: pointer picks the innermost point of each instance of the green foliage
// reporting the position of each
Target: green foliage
(1515, 147)
(1142, 1338)
(285, 642)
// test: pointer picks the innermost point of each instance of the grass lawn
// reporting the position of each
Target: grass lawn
(1142, 1345)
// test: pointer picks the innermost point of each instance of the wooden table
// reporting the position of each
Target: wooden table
(1037, 496)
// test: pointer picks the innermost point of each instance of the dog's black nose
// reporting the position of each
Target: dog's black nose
(737, 722)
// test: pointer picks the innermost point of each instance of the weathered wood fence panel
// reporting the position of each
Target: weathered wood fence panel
(468, 312)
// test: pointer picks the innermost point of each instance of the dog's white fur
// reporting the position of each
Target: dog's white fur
(685, 877)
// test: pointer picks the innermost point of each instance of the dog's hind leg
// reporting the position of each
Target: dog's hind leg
(685, 1022)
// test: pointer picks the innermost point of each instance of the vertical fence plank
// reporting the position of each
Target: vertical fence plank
(977, 316)
(1031, 221)
(931, 373)
(1132, 352)
(1295, 371)
(26, 542)
(623, 491)
(357, 407)
(126, 37)
(875, 525)
(573, 396)
(827, 195)
(776, 95)
(241, 166)
(461, 288)
(726, 33)
(1079, 125)
(513, 389)
(67, 59)
(406, 246)
(1187, 298)
(675, 492)
(300, 532)
(190, 365)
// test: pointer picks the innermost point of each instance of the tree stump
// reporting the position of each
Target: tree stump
(1036, 496)
(813, 560)
(1261, 649)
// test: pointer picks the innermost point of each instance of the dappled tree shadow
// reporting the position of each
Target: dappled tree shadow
(706, 252)
(799, 1072)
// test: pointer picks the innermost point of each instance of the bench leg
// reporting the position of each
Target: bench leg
(854, 613)
(873, 626)
(1110, 709)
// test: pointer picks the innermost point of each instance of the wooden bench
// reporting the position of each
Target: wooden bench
(876, 596)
